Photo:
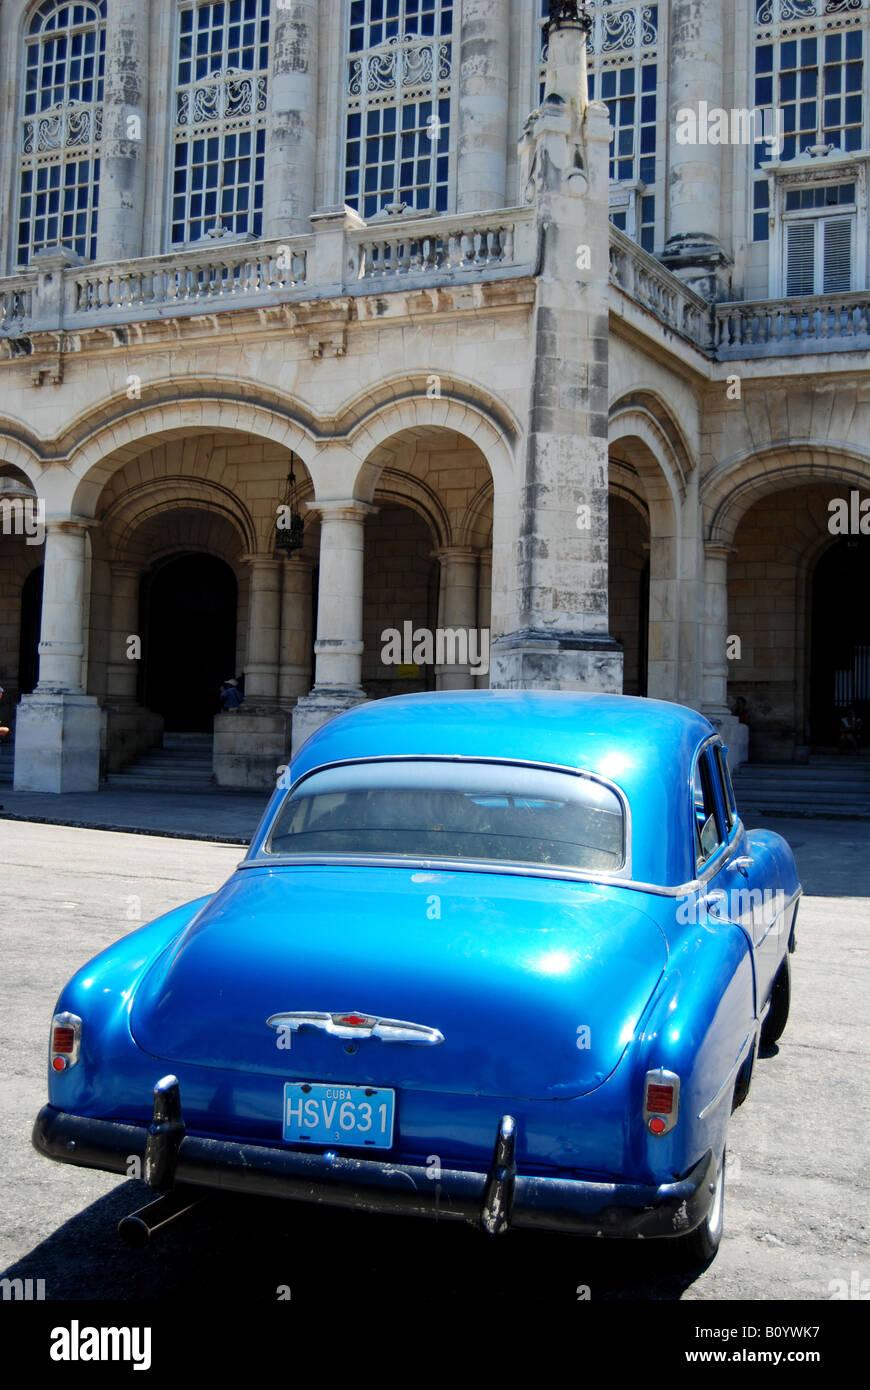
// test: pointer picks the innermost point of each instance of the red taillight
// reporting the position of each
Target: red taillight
(660, 1100)
(66, 1037)
(62, 1039)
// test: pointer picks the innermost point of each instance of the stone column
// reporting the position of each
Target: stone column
(458, 614)
(250, 742)
(339, 646)
(715, 664)
(124, 160)
(264, 630)
(696, 86)
(557, 635)
(295, 674)
(57, 732)
(288, 198)
(484, 63)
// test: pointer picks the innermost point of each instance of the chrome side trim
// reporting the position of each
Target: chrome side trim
(742, 1054)
(387, 1029)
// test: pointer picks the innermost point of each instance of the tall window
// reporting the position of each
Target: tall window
(623, 73)
(809, 65)
(61, 128)
(222, 63)
(398, 87)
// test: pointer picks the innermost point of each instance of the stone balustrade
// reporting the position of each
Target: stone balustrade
(420, 251)
(784, 327)
(446, 248)
(650, 284)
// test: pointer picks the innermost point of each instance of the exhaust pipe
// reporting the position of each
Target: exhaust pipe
(137, 1229)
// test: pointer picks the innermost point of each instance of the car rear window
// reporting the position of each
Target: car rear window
(430, 809)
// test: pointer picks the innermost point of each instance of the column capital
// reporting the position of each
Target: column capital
(260, 559)
(333, 509)
(456, 552)
(71, 524)
(719, 550)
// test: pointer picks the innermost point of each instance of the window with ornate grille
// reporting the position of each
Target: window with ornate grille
(623, 73)
(809, 63)
(398, 119)
(219, 137)
(61, 128)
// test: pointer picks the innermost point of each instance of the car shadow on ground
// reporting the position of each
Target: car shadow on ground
(263, 1251)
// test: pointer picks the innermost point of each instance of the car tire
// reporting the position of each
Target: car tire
(701, 1245)
(780, 999)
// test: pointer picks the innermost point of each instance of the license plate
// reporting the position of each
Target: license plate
(353, 1116)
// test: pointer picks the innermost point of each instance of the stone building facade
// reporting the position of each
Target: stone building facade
(562, 333)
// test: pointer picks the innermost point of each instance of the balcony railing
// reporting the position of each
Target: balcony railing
(654, 287)
(341, 257)
(784, 327)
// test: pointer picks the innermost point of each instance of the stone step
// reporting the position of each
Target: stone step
(161, 762)
(134, 782)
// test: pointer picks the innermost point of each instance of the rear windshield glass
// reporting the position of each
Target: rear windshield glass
(446, 810)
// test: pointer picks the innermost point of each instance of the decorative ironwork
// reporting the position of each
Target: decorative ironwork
(402, 63)
(68, 125)
(225, 95)
(290, 526)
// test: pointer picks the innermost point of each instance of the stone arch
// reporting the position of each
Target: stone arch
(402, 489)
(729, 492)
(477, 520)
(111, 444)
(370, 440)
(648, 467)
(644, 414)
(19, 460)
(148, 500)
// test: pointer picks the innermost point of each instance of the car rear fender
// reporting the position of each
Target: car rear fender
(701, 1025)
(101, 993)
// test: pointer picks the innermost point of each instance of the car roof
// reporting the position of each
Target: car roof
(645, 747)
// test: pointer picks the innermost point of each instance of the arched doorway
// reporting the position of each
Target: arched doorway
(840, 637)
(31, 621)
(188, 625)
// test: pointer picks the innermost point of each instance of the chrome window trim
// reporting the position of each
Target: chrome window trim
(623, 874)
(725, 844)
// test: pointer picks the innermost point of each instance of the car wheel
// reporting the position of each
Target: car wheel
(700, 1247)
(780, 998)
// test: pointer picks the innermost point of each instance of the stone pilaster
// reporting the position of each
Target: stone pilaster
(295, 674)
(458, 611)
(558, 634)
(124, 160)
(250, 743)
(339, 645)
(288, 198)
(130, 728)
(57, 732)
(696, 85)
(484, 62)
(715, 665)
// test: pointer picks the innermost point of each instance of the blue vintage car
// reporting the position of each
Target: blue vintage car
(500, 956)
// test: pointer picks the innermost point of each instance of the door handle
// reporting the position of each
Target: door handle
(743, 863)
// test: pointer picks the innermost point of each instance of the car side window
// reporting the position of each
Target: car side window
(707, 836)
(721, 757)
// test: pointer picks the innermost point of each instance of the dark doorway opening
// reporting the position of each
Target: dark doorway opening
(188, 624)
(28, 642)
(840, 663)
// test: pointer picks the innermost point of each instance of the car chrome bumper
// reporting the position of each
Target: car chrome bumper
(495, 1201)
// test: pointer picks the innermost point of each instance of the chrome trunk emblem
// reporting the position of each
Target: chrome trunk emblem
(356, 1025)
